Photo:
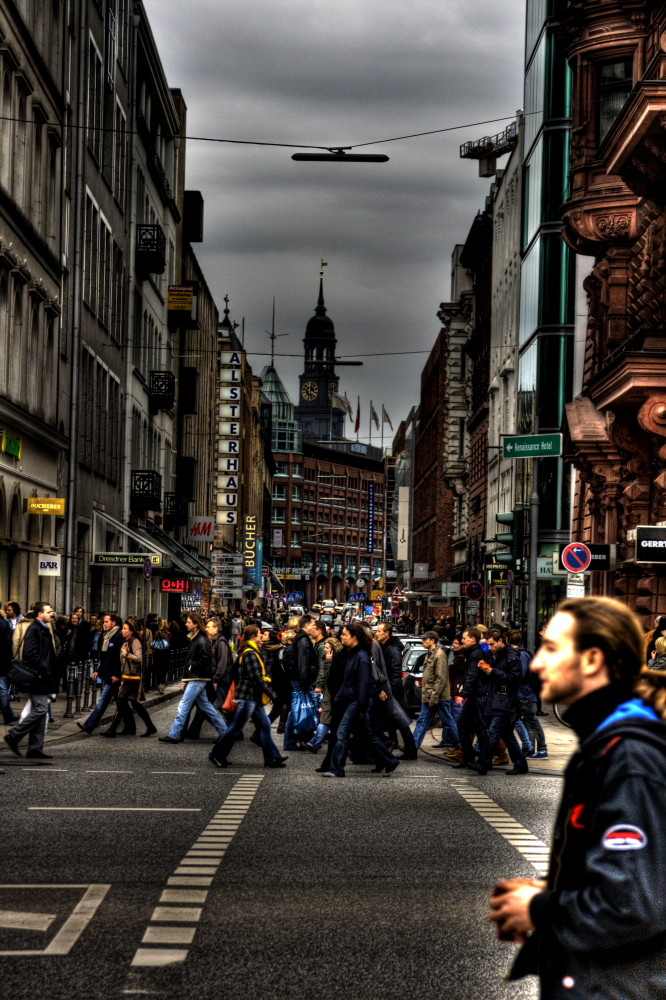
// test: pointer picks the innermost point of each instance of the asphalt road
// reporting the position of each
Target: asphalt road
(132, 867)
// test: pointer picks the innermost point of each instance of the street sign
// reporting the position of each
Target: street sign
(650, 544)
(575, 579)
(474, 590)
(136, 559)
(575, 590)
(46, 505)
(250, 605)
(532, 446)
(397, 591)
(576, 557)
(450, 590)
(604, 557)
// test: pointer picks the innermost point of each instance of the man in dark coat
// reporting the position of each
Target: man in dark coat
(39, 654)
(596, 929)
(504, 671)
(108, 671)
(393, 650)
(5, 663)
(301, 661)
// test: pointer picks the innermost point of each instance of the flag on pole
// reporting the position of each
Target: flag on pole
(373, 415)
(385, 418)
(357, 425)
(341, 404)
(348, 406)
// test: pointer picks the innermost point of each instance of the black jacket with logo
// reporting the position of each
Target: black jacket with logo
(601, 923)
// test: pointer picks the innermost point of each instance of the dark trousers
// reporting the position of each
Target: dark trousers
(471, 722)
(125, 706)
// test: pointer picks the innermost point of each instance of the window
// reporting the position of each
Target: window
(279, 515)
(296, 516)
(615, 81)
(95, 101)
(279, 491)
(281, 469)
(296, 493)
(296, 469)
(119, 165)
(295, 539)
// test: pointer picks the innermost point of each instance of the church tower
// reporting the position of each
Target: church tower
(318, 383)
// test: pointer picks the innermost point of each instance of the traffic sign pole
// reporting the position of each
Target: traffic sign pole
(534, 558)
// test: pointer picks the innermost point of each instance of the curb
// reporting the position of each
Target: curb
(67, 728)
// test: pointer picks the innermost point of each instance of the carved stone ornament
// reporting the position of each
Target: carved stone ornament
(613, 227)
(652, 418)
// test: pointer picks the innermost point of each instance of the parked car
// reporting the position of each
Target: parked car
(412, 673)
(296, 609)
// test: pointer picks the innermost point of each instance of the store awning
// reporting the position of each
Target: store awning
(184, 560)
(153, 539)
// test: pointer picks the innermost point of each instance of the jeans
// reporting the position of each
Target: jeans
(525, 740)
(351, 720)
(195, 693)
(528, 710)
(319, 736)
(501, 728)
(106, 694)
(7, 711)
(248, 710)
(34, 723)
(449, 728)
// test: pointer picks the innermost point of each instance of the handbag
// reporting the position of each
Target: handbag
(379, 678)
(22, 675)
(304, 715)
(161, 643)
(230, 704)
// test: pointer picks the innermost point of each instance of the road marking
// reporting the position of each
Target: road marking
(20, 920)
(76, 923)
(108, 772)
(172, 772)
(197, 868)
(532, 849)
(122, 809)
(44, 769)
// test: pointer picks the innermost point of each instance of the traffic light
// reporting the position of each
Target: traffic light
(512, 519)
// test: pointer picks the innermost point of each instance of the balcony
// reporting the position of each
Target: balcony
(175, 511)
(145, 491)
(161, 391)
(150, 250)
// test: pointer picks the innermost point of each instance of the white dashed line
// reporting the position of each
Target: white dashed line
(193, 875)
(532, 849)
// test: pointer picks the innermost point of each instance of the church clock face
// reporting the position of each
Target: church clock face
(310, 391)
(332, 389)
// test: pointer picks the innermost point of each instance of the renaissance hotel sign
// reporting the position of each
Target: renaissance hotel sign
(228, 437)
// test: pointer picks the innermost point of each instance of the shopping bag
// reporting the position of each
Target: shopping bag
(230, 704)
(304, 715)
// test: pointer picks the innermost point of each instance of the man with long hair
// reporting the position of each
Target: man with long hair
(597, 925)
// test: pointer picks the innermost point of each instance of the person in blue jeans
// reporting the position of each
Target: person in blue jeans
(436, 693)
(5, 663)
(253, 690)
(197, 674)
(108, 670)
(352, 703)
(504, 673)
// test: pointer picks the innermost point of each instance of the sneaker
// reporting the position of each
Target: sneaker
(539, 755)
(330, 774)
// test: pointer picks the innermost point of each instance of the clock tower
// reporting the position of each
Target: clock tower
(318, 416)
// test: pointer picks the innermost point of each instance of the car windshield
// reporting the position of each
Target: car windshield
(415, 657)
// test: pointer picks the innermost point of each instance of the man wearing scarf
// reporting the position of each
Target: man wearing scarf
(108, 671)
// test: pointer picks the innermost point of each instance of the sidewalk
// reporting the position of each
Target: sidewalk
(61, 727)
(561, 744)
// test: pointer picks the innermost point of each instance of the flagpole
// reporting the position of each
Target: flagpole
(370, 425)
(382, 446)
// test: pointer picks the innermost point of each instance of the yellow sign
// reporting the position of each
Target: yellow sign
(46, 505)
(377, 595)
(180, 298)
(11, 445)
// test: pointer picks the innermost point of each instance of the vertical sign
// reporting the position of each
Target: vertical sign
(250, 550)
(371, 517)
(228, 437)
(402, 554)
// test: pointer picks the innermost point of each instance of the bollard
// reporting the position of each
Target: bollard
(71, 681)
(87, 685)
(94, 686)
(78, 686)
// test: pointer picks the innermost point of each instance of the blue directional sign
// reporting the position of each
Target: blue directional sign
(576, 557)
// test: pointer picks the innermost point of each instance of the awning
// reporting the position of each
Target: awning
(186, 561)
(153, 539)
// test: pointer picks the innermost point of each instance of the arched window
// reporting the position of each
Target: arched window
(16, 356)
(49, 375)
(35, 364)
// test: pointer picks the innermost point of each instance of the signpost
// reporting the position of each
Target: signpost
(532, 446)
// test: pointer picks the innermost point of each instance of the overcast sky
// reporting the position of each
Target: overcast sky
(340, 72)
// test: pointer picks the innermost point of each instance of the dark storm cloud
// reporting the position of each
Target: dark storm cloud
(325, 72)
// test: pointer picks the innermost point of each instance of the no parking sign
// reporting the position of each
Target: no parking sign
(576, 557)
